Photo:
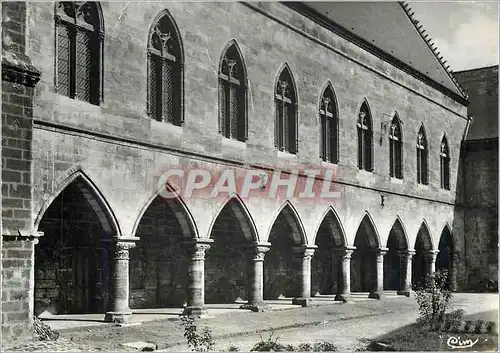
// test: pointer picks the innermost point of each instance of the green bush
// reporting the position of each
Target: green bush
(433, 299)
(197, 342)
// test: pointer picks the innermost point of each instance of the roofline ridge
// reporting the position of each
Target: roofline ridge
(409, 12)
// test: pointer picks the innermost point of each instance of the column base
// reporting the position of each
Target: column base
(407, 293)
(120, 317)
(256, 307)
(195, 311)
(346, 298)
(376, 295)
(302, 301)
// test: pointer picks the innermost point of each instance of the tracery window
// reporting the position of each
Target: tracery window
(329, 126)
(395, 149)
(422, 155)
(232, 95)
(444, 155)
(285, 100)
(165, 72)
(79, 48)
(365, 134)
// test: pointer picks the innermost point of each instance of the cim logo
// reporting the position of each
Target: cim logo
(310, 183)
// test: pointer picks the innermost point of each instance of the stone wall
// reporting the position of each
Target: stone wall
(479, 195)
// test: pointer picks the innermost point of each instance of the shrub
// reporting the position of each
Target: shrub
(270, 345)
(197, 342)
(433, 299)
(43, 332)
(233, 348)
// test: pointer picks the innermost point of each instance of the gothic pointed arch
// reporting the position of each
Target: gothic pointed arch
(72, 258)
(281, 263)
(363, 260)
(286, 111)
(329, 123)
(92, 194)
(365, 137)
(396, 148)
(444, 157)
(227, 262)
(233, 116)
(422, 156)
(423, 251)
(165, 71)
(79, 50)
(326, 264)
(397, 246)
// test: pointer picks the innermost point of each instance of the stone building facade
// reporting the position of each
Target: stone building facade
(123, 92)
(480, 178)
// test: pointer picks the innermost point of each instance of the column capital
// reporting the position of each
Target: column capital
(381, 251)
(305, 251)
(432, 254)
(197, 247)
(406, 253)
(258, 250)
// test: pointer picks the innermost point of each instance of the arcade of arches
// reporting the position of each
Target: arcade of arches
(83, 266)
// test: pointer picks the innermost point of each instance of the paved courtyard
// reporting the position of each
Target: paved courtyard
(346, 325)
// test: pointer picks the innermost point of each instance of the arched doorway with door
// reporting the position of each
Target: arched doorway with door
(72, 259)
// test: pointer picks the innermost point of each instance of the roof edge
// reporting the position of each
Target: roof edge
(303, 9)
(428, 40)
(478, 69)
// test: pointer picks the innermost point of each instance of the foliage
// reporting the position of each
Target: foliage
(43, 332)
(197, 342)
(233, 348)
(433, 299)
(273, 346)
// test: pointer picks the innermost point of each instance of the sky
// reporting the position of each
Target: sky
(466, 33)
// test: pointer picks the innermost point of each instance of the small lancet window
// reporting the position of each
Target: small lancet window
(165, 68)
(79, 47)
(329, 126)
(365, 137)
(422, 156)
(395, 149)
(285, 100)
(232, 95)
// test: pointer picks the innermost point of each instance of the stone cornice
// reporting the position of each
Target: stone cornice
(18, 69)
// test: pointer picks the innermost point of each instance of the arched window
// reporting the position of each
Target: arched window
(445, 164)
(422, 153)
(79, 47)
(285, 137)
(232, 95)
(329, 126)
(165, 71)
(396, 149)
(365, 135)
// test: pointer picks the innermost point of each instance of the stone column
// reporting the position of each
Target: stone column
(118, 310)
(255, 268)
(196, 287)
(406, 289)
(430, 258)
(305, 253)
(377, 292)
(344, 294)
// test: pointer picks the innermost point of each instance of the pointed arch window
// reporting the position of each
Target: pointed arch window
(79, 48)
(444, 155)
(396, 149)
(422, 156)
(165, 71)
(285, 137)
(232, 95)
(365, 134)
(329, 126)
